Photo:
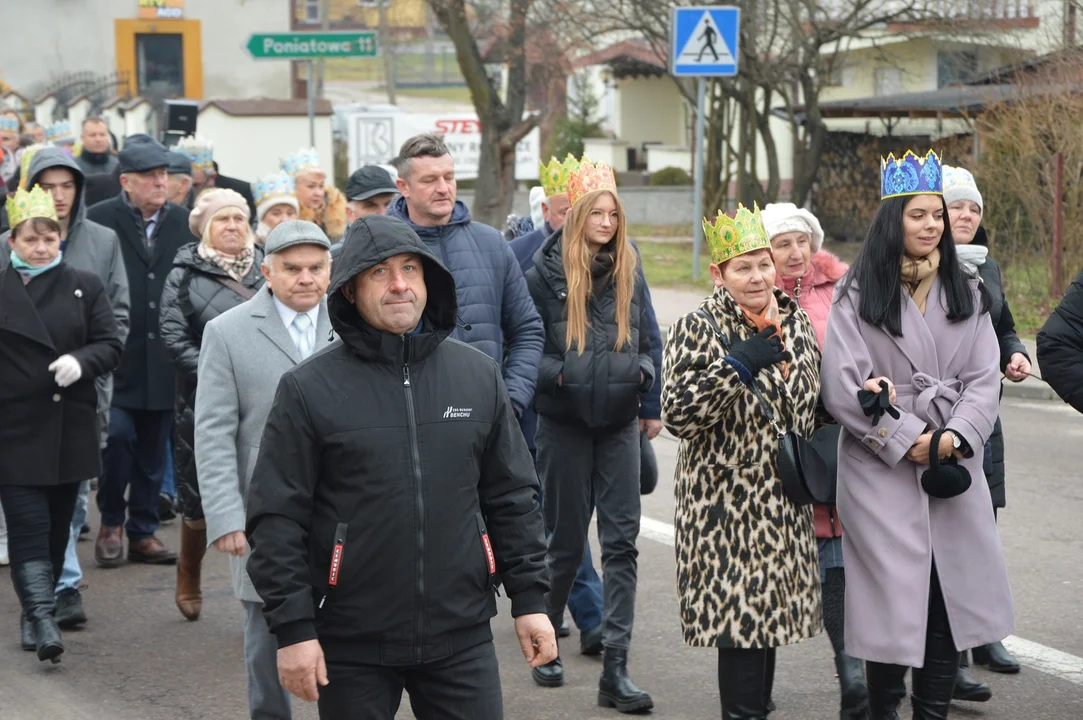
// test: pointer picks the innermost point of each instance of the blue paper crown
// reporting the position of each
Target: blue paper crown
(911, 175)
(59, 131)
(274, 186)
(302, 161)
(198, 150)
(8, 124)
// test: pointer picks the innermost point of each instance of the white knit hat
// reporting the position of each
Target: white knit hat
(959, 184)
(781, 218)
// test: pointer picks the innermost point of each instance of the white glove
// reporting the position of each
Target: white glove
(67, 369)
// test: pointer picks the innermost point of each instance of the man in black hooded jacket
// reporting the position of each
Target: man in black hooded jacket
(1060, 346)
(392, 494)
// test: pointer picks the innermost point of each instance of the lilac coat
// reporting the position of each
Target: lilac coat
(946, 375)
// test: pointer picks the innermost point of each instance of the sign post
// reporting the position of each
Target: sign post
(703, 42)
(310, 46)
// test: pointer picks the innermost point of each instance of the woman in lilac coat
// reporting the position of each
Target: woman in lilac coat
(925, 574)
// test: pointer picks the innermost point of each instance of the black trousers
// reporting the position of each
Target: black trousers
(465, 686)
(39, 522)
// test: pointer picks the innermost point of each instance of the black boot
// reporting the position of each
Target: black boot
(616, 689)
(887, 688)
(853, 688)
(742, 683)
(769, 682)
(36, 588)
(997, 658)
(966, 687)
(27, 633)
(933, 684)
(551, 674)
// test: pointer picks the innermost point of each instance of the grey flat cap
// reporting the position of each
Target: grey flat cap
(295, 232)
(179, 164)
(142, 157)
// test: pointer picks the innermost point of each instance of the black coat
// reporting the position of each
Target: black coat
(1060, 346)
(49, 434)
(145, 378)
(1004, 324)
(101, 187)
(411, 445)
(193, 296)
(601, 387)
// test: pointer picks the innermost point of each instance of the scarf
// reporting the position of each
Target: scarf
(918, 276)
(770, 317)
(236, 265)
(601, 267)
(29, 271)
(95, 158)
(972, 257)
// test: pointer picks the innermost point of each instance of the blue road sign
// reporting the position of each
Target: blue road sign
(704, 41)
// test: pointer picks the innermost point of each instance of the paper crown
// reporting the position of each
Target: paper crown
(198, 150)
(302, 161)
(60, 132)
(729, 237)
(554, 176)
(588, 177)
(24, 162)
(9, 124)
(276, 185)
(25, 205)
(910, 175)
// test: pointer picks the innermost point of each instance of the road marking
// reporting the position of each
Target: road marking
(1039, 657)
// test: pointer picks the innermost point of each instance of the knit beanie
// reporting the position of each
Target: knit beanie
(209, 203)
(959, 184)
(269, 203)
(781, 218)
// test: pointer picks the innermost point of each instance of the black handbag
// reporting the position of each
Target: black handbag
(805, 475)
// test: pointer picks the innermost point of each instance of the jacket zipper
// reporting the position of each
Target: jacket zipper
(336, 560)
(411, 421)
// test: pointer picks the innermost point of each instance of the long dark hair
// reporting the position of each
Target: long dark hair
(876, 272)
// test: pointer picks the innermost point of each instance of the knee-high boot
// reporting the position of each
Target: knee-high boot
(193, 546)
(934, 683)
(887, 688)
(36, 587)
(742, 683)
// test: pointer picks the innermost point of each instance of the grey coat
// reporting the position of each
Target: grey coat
(244, 353)
(947, 376)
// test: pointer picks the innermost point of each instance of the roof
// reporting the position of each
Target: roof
(261, 107)
(949, 102)
(626, 52)
(1011, 71)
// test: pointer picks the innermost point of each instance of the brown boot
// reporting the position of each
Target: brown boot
(193, 546)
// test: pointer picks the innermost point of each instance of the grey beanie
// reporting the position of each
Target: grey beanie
(959, 184)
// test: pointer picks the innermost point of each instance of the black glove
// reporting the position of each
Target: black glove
(876, 404)
(750, 356)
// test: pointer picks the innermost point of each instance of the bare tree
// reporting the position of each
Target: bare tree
(502, 121)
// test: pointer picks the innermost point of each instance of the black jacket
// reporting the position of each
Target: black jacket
(49, 434)
(1060, 346)
(602, 387)
(101, 187)
(1004, 324)
(144, 380)
(407, 448)
(194, 295)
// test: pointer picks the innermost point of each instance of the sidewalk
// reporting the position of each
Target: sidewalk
(670, 304)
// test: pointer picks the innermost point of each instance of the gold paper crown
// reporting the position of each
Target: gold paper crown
(589, 177)
(24, 163)
(729, 237)
(25, 205)
(554, 176)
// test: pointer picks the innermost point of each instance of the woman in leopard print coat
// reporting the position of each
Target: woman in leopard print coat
(747, 574)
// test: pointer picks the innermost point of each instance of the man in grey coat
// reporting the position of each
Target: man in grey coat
(86, 245)
(245, 352)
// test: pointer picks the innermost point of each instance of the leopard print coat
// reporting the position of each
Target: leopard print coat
(747, 572)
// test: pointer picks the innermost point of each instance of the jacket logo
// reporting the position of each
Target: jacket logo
(454, 412)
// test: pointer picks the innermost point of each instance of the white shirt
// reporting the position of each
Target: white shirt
(288, 314)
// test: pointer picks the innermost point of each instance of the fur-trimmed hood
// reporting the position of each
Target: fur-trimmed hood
(333, 218)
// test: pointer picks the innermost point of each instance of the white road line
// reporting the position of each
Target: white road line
(1031, 654)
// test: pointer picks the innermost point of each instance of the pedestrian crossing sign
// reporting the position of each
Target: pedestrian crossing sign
(703, 41)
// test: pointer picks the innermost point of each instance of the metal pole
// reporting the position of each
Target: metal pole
(1058, 222)
(697, 221)
(311, 104)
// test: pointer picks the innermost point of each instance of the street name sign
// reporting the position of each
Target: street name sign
(703, 41)
(310, 46)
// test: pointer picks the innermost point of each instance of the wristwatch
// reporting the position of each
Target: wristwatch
(956, 441)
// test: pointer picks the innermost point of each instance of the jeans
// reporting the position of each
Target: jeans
(169, 480)
(39, 520)
(72, 574)
(267, 699)
(134, 461)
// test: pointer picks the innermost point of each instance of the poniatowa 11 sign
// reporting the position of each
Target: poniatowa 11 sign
(309, 46)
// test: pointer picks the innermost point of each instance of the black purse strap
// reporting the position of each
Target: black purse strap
(752, 384)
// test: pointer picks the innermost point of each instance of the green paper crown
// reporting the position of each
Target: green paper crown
(554, 176)
(25, 205)
(729, 237)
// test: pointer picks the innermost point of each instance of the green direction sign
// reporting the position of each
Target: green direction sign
(305, 46)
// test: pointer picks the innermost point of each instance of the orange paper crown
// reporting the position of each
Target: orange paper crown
(589, 177)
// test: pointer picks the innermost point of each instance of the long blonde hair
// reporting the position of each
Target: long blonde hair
(577, 260)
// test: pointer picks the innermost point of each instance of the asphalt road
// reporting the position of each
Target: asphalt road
(137, 659)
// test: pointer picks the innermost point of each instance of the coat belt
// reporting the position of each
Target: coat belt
(934, 399)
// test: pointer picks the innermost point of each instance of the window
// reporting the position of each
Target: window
(888, 81)
(160, 64)
(312, 11)
(955, 67)
(835, 75)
